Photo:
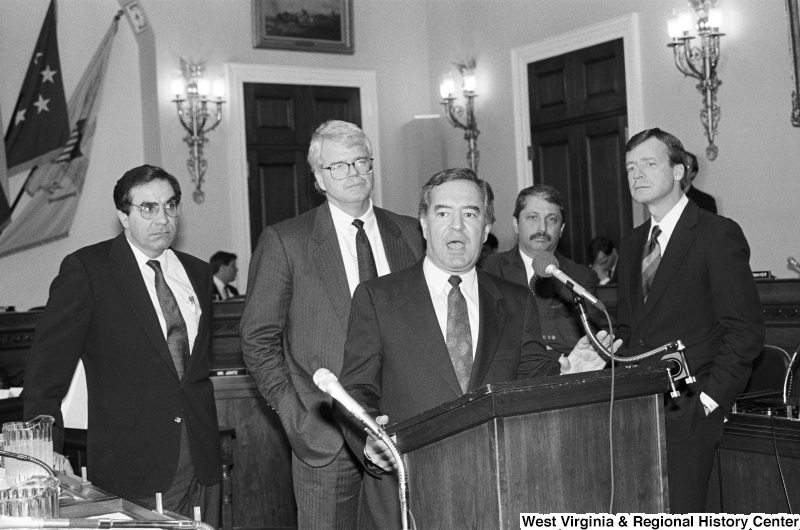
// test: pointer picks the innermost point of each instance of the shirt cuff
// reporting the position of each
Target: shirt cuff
(708, 403)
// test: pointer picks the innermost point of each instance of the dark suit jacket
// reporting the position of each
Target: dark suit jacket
(396, 361)
(704, 294)
(99, 311)
(702, 199)
(218, 296)
(295, 319)
(561, 327)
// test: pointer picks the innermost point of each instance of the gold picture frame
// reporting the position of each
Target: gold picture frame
(324, 26)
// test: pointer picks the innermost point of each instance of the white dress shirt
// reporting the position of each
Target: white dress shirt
(222, 288)
(439, 287)
(178, 281)
(346, 233)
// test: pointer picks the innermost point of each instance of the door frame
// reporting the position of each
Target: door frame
(236, 75)
(625, 27)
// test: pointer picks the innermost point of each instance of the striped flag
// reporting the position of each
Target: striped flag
(54, 188)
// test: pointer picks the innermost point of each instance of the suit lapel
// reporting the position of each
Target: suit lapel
(427, 336)
(679, 244)
(393, 245)
(514, 269)
(492, 321)
(204, 302)
(130, 281)
(326, 257)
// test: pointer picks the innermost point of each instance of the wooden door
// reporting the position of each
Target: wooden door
(578, 130)
(279, 122)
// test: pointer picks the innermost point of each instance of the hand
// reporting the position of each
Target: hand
(377, 451)
(584, 357)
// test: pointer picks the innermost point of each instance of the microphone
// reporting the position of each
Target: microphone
(328, 383)
(545, 264)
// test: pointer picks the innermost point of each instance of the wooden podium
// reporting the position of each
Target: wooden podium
(540, 445)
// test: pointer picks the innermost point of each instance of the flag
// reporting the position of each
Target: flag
(39, 123)
(55, 186)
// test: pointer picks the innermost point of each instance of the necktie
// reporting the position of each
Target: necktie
(534, 280)
(652, 257)
(228, 292)
(459, 336)
(366, 261)
(177, 336)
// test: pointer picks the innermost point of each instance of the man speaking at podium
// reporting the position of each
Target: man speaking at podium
(685, 275)
(434, 331)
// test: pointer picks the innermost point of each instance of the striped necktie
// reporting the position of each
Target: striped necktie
(652, 257)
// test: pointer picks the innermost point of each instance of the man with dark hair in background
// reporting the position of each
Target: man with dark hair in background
(701, 198)
(302, 276)
(224, 269)
(685, 275)
(539, 220)
(138, 314)
(603, 259)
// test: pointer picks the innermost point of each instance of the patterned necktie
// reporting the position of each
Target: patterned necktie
(366, 261)
(534, 280)
(177, 336)
(652, 257)
(459, 335)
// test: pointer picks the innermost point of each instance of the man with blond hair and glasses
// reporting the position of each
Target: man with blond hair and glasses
(302, 276)
(138, 314)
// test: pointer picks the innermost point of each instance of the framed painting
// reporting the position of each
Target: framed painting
(793, 11)
(304, 25)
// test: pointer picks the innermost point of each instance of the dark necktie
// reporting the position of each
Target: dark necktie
(366, 261)
(459, 335)
(534, 280)
(177, 336)
(652, 257)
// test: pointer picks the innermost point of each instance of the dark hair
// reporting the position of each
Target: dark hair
(219, 259)
(492, 241)
(459, 173)
(691, 162)
(138, 176)
(677, 155)
(600, 244)
(546, 192)
(346, 133)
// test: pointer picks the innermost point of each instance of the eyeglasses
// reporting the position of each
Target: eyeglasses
(340, 170)
(150, 209)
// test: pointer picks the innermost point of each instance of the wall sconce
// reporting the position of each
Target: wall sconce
(453, 112)
(194, 116)
(700, 63)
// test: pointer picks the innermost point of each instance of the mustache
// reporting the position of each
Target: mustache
(541, 234)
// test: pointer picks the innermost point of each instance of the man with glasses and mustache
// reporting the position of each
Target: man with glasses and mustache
(301, 280)
(138, 314)
(539, 220)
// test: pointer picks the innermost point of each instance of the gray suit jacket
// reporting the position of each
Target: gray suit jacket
(295, 319)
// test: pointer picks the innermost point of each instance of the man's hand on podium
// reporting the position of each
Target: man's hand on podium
(377, 451)
(584, 357)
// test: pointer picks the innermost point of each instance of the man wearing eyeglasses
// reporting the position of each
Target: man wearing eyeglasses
(138, 314)
(302, 276)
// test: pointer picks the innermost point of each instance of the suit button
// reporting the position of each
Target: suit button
(641, 342)
(178, 419)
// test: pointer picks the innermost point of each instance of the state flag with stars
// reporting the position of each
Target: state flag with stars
(39, 124)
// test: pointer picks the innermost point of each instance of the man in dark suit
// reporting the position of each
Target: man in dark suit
(302, 276)
(138, 314)
(428, 334)
(685, 275)
(701, 198)
(539, 221)
(224, 269)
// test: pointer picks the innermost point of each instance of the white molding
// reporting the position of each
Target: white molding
(625, 27)
(236, 76)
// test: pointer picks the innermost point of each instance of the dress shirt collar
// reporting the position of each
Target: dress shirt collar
(344, 221)
(142, 258)
(438, 280)
(527, 261)
(668, 222)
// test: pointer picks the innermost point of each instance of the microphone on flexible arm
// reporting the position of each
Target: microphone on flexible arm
(545, 264)
(329, 383)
